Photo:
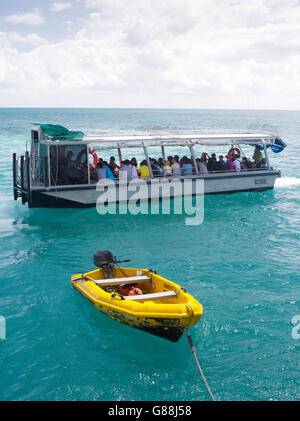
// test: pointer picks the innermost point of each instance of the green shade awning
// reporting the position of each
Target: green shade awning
(58, 132)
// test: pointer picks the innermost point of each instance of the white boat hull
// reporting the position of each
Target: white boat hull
(87, 195)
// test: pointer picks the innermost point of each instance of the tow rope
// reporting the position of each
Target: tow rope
(198, 365)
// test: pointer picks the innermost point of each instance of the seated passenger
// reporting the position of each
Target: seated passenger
(229, 163)
(125, 169)
(113, 165)
(176, 170)
(100, 171)
(134, 168)
(236, 163)
(187, 167)
(170, 159)
(156, 170)
(212, 163)
(109, 173)
(167, 169)
(71, 170)
(183, 159)
(257, 156)
(221, 166)
(176, 157)
(201, 166)
(143, 171)
(161, 163)
(245, 164)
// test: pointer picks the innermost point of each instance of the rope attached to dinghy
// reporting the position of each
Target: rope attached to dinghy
(198, 365)
(126, 276)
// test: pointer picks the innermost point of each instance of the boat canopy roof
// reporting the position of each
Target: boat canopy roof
(172, 139)
(57, 132)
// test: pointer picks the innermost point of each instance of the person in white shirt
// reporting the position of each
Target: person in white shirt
(125, 168)
(237, 164)
(167, 169)
(176, 167)
(201, 165)
(134, 173)
(100, 171)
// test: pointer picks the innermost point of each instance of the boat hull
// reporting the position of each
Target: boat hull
(88, 195)
(166, 328)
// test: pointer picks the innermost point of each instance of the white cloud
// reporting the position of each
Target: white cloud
(34, 18)
(2, 66)
(12, 40)
(163, 53)
(59, 7)
(31, 39)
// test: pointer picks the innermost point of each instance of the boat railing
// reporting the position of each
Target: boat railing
(194, 173)
(191, 175)
(17, 171)
(182, 174)
(21, 177)
(39, 171)
(242, 170)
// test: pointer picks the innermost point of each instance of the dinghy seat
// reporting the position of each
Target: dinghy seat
(119, 281)
(135, 280)
(153, 296)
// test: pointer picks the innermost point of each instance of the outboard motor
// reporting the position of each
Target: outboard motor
(105, 260)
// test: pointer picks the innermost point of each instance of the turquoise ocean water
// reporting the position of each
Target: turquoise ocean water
(242, 264)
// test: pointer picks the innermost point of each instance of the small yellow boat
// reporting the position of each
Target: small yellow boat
(138, 297)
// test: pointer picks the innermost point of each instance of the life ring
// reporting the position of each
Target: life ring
(234, 149)
(93, 160)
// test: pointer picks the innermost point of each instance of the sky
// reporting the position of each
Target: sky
(231, 54)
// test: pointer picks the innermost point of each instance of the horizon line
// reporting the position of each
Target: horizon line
(150, 108)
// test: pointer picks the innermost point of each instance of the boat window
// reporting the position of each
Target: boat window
(244, 153)
(120, 157)
(166, 154)
(106, 154)
(34, 135)
(68, 165)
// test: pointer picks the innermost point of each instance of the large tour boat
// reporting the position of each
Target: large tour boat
(57, 171)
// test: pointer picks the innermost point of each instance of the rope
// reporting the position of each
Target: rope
(197, 362)
(126, 276)
(149, 270)
(242, 151)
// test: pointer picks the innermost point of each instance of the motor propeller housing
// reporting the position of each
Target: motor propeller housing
(105, 260)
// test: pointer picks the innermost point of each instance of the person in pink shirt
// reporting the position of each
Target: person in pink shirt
(229, 163)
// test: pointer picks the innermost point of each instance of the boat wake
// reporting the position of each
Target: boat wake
(286, 182)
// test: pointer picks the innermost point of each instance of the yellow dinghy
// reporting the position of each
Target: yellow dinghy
(154, 304)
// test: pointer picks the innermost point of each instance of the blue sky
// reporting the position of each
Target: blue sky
(55, 23)
(150, 53)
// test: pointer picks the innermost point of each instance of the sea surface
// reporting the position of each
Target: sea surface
(242, 263)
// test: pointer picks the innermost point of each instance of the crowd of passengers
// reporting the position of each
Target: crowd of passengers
(176, 167)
